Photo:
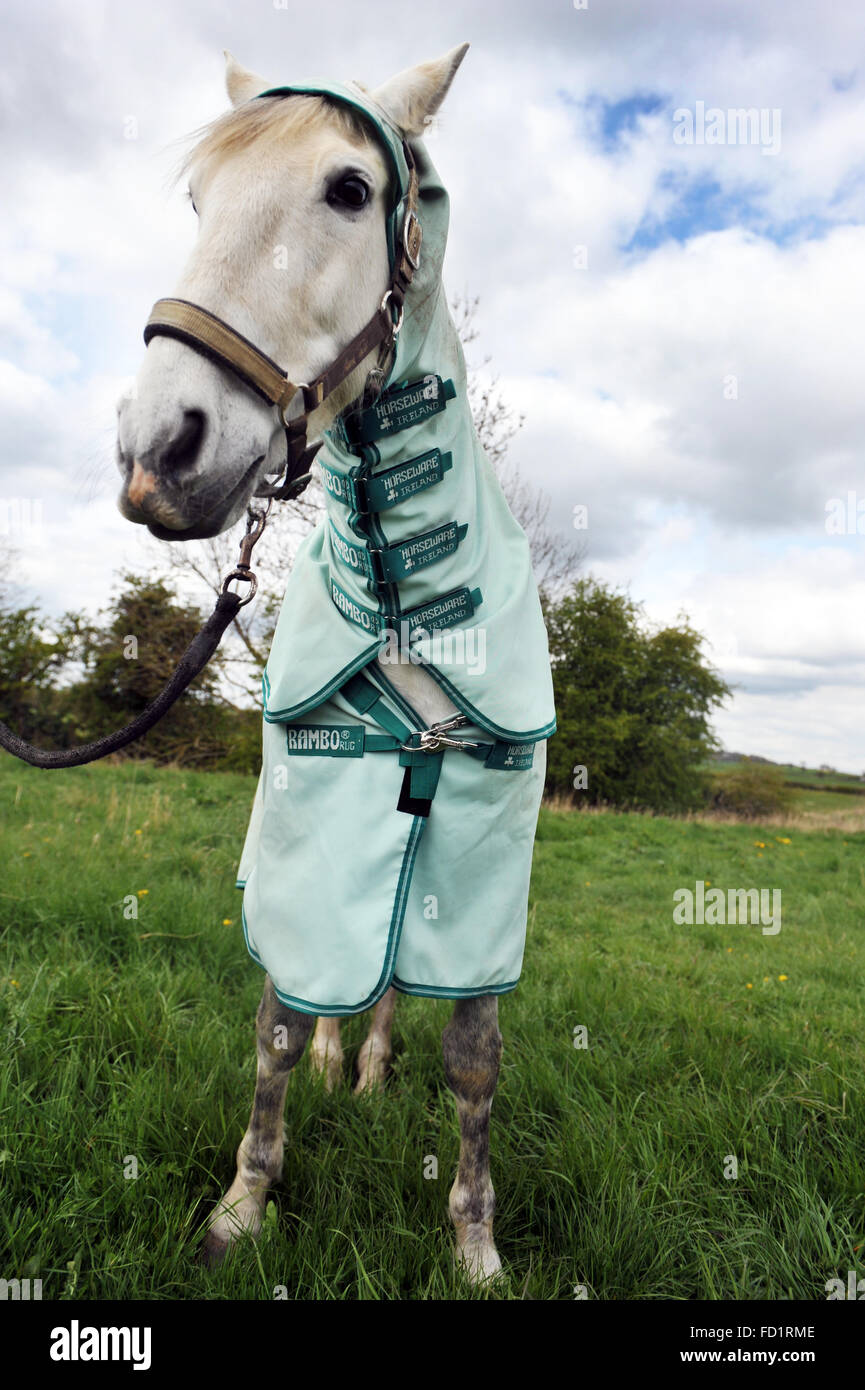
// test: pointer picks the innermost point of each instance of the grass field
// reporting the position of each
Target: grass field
(127, 1037)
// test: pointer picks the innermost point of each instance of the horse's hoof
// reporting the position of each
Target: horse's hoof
(478, 1259)
(328, 1065)
(371, 1081)
(373, 1065)
(213, 1250)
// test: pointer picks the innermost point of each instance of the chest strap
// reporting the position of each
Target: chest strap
(446, 611)
(420, 752)
(377, 492)
(389, 564)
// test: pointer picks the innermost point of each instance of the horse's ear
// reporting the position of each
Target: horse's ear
(241, 84)
(413, 97)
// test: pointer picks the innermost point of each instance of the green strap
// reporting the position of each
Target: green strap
(425, 767)
(510, 757)
(399, 408)
(367, 699)
(337, 741)
(389, 564)
(378, 492)
(354, 740)
(425, 772)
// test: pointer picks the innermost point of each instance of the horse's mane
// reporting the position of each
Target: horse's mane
(272, 119)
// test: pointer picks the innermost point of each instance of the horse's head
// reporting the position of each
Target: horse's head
(292, 195)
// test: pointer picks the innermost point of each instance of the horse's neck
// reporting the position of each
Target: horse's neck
(424, 694)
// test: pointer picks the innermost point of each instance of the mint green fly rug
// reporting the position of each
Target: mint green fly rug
(381, 851)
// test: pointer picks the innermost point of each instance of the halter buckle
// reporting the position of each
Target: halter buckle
(412, 236)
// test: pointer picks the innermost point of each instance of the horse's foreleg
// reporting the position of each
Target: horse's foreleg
(472, 1046)
(375, 1054)
(326, 1050)
(281, 1036)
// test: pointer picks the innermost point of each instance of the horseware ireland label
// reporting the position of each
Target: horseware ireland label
(394, 562)
(397, 409)
(511, 757)
(376, 492)
(446, 611)
(328, 740)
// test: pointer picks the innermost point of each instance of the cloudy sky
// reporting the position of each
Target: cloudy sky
(675, 303)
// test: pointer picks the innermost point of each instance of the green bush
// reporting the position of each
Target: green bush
(69, 680)
(752, 791)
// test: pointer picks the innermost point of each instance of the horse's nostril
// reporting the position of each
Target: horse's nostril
(183, 450)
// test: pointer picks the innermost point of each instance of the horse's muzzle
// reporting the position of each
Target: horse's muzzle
(174, 513)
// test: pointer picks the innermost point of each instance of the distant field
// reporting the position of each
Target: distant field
(135, 1038)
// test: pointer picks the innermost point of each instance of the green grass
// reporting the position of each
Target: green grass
(135, 1037)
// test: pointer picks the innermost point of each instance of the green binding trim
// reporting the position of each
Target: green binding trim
(397, 918)
(377, 492)
(448, 992)
(446, 611)
(389, 564)
(399, 408)
(313, 701)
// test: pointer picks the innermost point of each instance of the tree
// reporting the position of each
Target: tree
(632, 703)
(128, 660)
(34, 654)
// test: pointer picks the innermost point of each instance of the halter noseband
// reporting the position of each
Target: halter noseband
(211, 336)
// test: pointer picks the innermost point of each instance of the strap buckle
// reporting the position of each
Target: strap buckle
(412, 236)
(435, 737)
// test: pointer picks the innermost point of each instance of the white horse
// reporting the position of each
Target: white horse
(193, 446)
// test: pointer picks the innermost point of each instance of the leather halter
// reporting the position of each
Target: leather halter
(212, 336)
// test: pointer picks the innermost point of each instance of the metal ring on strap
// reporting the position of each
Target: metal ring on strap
(386, 297)
(283, 409)
(248, 578)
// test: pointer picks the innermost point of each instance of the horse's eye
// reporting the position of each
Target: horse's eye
(349, 192)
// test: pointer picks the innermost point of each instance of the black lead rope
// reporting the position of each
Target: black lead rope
(193, 661)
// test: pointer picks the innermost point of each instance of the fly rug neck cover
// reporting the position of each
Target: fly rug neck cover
(378, 854)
